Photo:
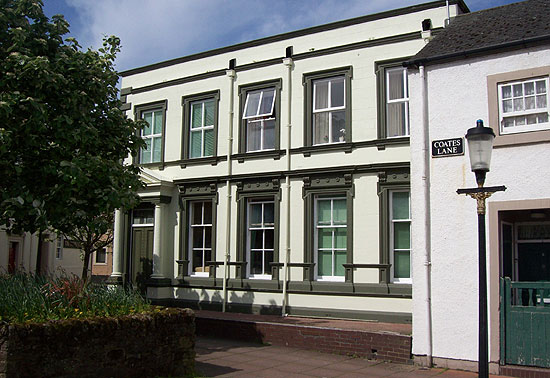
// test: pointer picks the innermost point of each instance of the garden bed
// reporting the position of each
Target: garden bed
(156, 343)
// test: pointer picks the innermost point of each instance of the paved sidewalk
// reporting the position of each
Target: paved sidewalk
(229, 358)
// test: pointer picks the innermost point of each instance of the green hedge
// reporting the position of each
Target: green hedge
(31, 298)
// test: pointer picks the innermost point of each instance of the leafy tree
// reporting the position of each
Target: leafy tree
(62, 133)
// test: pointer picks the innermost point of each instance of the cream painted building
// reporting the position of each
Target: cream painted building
(492, 65)
(278, 171)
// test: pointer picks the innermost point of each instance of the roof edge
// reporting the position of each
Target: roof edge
(478, 51)
(297, 33)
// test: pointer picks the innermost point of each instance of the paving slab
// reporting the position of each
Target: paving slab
(230, 358)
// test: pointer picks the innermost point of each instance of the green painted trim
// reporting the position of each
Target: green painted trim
(307, 81)
(243, 91)
(380, 68)
(256, 189)
(186, 109)
(270, 154)
(387, 181)
(188, 194)
(297, 33)
(138, 110)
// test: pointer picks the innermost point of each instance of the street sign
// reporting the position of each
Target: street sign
(448, 147)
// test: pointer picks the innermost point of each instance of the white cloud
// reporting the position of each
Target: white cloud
(153, 31)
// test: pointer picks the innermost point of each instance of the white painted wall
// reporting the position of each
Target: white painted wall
(457, 97)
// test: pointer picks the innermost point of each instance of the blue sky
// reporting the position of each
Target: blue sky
(155, 30)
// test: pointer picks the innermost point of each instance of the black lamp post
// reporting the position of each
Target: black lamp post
(480, 145)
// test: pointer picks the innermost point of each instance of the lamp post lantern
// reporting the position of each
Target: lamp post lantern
(480, 145)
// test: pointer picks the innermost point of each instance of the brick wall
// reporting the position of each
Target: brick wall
(145, 345)
(374, 345)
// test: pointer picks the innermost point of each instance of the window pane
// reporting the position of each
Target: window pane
(340, 211)
(338, 126)
(197, 237)
(508, 122)
(340, 258)
(542, 118)
(402, 235)
(207, 212)
(402, 264)
(256, 262)
(209, 113)
(256, 214)
(158, 122)
(506, 91)
(337, 92)
(530, 102)
(197, 261)
(256, 239)
(518, 90)
(541, 101)
(207, 257)
(253, 101)
(325, 263)
(340, 235)
(267, 101)
(320, 128)
(397, 119)
(208, 142)
(196, 213)
(518, 104)
(532, 119)
(253, 137)
(541, 86)
(268, 256)
(196, 115)
(321, 95)
(396, 84)
(324, 238)
(269, 216)
(196, 143)
(207, 237)
(507, 106)
(323, 212)
(529, 88)
(269, 135)
(269, 241)
(157, 148)
(148, 117)
(400, 204)
(146, 152)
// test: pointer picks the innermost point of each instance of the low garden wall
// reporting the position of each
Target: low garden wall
(159, 343)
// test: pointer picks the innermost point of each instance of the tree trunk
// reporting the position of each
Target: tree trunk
(85, 264)
(38, 266)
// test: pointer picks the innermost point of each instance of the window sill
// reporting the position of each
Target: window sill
(212, 160)
(157, 165)
(382, 143)
(532, 137)
(270, 154)
(308, 150)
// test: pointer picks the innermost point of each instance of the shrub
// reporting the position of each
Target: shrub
(34, 298)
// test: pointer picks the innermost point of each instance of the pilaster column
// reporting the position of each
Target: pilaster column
(158, 242)
(118, 242)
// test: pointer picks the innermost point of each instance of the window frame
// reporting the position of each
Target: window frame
(333, 277)
(139, 110)
(308, 82)
(388, 182)
(258, 190)
(333, 186)
(59, 247)
(524, 113)
(263, 228)
(530, 137)
(96, 254)
(186, 103)
(190, 247)
(244, 90)
(188, 194)
(381, 70)
(392, 222)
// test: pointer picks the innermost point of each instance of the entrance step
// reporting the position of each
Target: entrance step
(524, 371)
(373, 340)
